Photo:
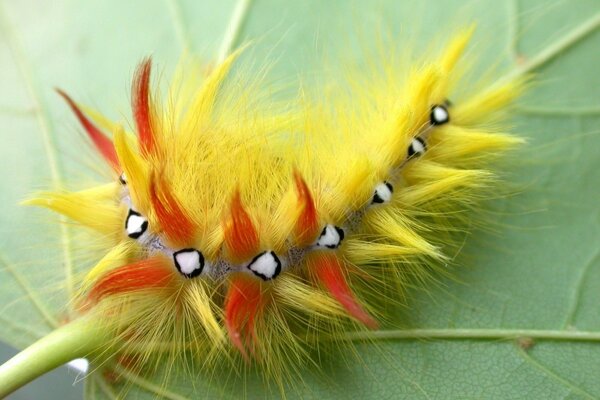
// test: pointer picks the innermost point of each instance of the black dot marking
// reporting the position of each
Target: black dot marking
(123, 179)
(265, 265)
(140, 230)
(389, 186)
(417, 147)
(186, 267)
(439, 115)
(340, 232)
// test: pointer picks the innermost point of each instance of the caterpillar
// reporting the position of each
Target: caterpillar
(238, 233)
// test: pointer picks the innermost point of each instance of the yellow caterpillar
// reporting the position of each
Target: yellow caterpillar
(237, 231)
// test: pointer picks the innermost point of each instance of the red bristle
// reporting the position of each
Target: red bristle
(241, 237)
(103, 144)
(307, 226)
(328, 270)
(243, 305)
(142, 113)
(173, 220)
(145, 274)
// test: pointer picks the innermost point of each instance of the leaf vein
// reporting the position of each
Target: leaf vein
(553, 375)
(20, 328)
(104, 387)
(547, 111)
(48, 133)
(473, 334)
(550, 52)
(24, 284)
(233, 29)
(180, 26)
(149, 386)
(513, 29)
(578, 289)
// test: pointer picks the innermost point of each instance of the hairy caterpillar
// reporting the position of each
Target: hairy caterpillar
(268, 229)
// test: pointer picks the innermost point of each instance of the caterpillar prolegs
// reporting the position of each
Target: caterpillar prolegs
(239, 226)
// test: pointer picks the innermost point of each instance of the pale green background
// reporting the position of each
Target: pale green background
(539, 269)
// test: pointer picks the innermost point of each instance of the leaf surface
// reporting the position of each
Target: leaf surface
(522, 319)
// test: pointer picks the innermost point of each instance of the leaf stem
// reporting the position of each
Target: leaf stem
(474, 334)
(75, 340)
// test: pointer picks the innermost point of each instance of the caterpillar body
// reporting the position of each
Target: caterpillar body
(238, 233)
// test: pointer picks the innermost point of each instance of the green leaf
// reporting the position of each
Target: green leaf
(521, 321)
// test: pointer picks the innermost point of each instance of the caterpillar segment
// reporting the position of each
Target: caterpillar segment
(263, 227)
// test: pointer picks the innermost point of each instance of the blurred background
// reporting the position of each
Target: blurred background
(537, 268)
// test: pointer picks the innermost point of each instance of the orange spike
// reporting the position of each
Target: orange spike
(141, 104)
(244, 304)
(241, 237)
(173, 220)
(103, 144)
(151, 273)
(328, 270)
(307, 226)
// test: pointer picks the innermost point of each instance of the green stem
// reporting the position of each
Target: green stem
(77, 339)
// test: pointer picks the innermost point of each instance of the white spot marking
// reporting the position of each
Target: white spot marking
(440, 115)
(188, 261)
(136, 224)
(383, 192)
(330, 237)
(417, 146)
(265, 265)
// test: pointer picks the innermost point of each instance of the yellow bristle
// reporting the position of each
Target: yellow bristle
(135, 170)
(88, 207)
(468, 146)
(116, 257)
(455, 50)
(300, 296)
(490, 105)
(388, 224)
(198, 305)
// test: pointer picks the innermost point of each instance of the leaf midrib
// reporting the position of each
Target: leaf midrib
(475, 334)
(535, 62)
